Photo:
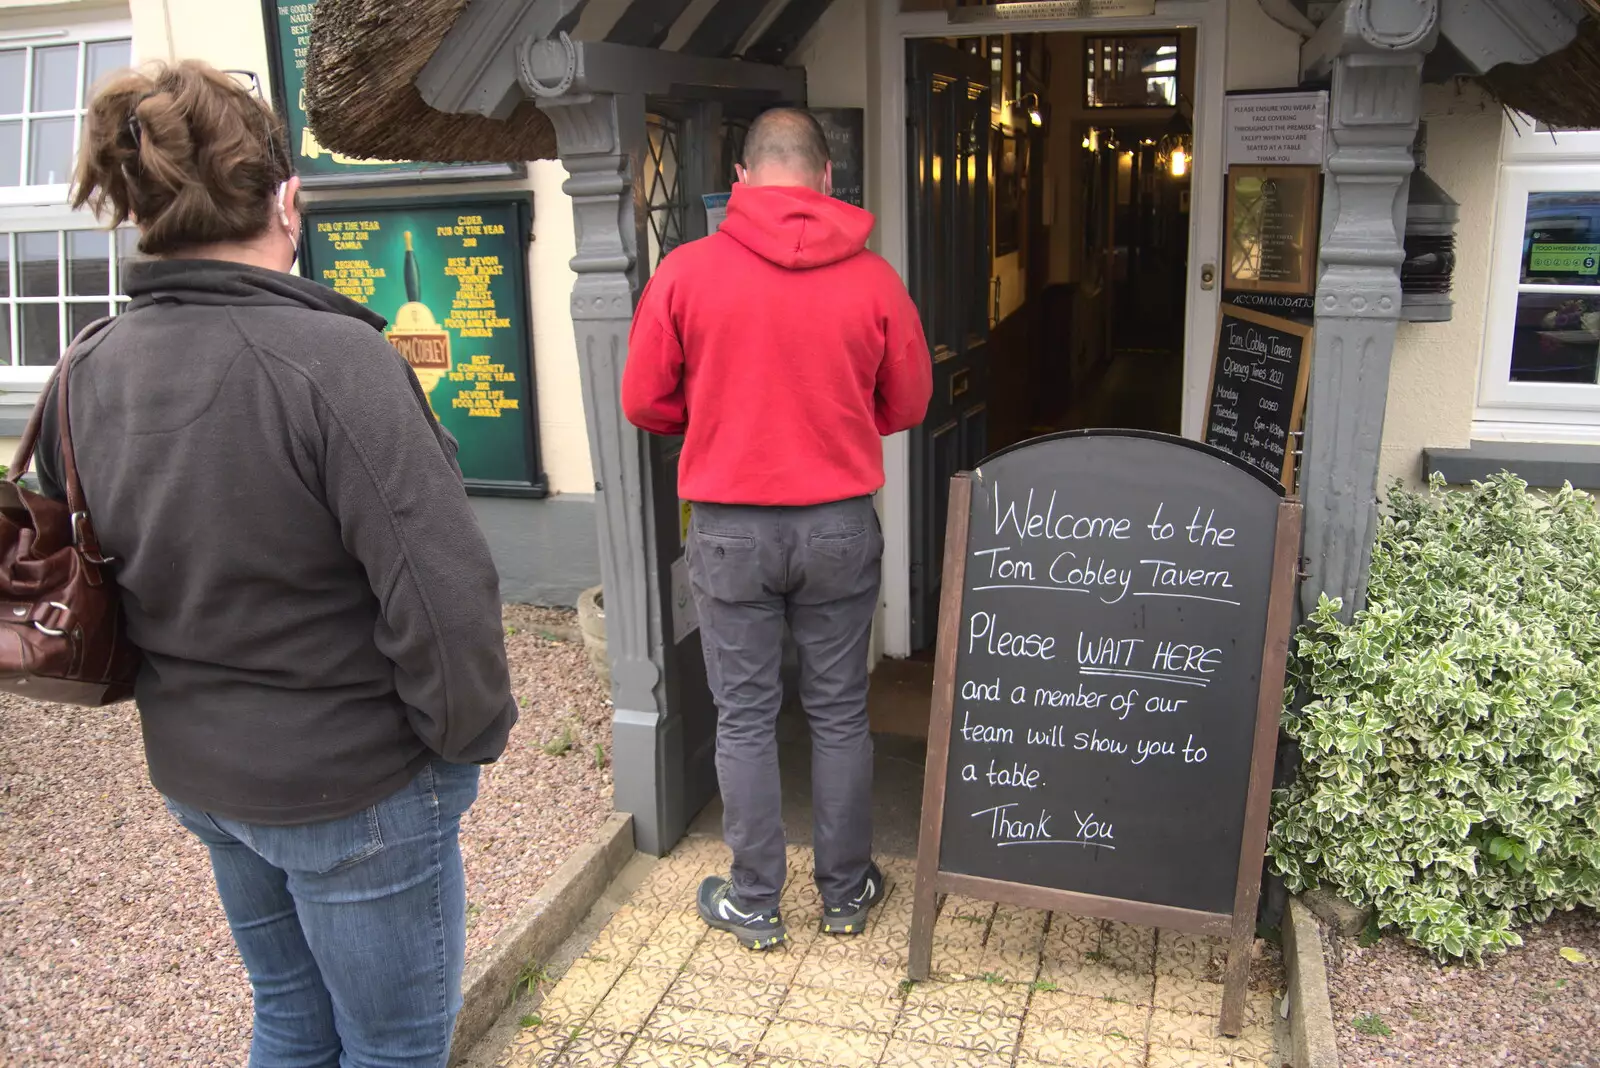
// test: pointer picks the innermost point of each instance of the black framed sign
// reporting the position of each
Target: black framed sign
(288, 27)
(1109, 676)
(451, 277)
(1260, 371)
(844, 128)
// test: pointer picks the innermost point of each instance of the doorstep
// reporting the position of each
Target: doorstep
(1012, 986)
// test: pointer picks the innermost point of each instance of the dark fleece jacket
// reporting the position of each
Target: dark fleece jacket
(317, 608)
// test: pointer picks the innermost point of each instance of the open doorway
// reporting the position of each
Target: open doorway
(1049, 196)
(1091, 266)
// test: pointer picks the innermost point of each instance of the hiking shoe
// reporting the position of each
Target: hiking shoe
(754, 928)
(851, 917)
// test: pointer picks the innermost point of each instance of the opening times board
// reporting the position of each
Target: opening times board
(1257, 400)
(1109, 673)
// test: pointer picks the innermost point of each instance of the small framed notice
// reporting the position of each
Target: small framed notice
(1277, 128)
(1273, 218)
(1257, 400)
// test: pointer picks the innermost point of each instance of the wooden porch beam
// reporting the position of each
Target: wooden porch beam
(646, 23)
(724, 26)
(779, 40)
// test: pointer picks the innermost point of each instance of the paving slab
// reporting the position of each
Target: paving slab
(1014, 987)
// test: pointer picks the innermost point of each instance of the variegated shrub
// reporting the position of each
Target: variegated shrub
(1450, 734)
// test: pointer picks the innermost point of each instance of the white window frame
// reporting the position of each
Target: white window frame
(46, 219)
(81, 34)
(1530, 410)
(1522, 141)
(26, 208)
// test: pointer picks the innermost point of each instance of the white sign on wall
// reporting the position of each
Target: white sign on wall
(1277, 128)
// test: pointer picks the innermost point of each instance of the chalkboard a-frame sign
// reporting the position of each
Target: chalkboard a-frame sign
(1107, 686)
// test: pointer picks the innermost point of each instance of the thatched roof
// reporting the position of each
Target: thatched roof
(1563, 88)
(362, 99)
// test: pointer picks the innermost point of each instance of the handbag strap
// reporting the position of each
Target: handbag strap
(82, 528)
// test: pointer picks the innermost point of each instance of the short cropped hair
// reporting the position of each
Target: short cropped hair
(789, 137)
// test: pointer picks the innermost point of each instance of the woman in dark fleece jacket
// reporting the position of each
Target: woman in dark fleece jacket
(323, 660)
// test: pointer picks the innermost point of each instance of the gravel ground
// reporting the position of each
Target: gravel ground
(1527, 1007)
(113, 948)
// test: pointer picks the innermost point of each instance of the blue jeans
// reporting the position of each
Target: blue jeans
(353, 930)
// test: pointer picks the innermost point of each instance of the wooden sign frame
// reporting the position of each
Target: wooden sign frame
(1238, 926)
(1302, 382)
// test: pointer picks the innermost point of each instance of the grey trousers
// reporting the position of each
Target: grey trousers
(816, 568)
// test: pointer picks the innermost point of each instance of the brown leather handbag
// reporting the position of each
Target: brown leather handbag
(62, 635)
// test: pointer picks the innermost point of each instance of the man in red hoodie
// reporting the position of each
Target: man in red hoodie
(782, 350)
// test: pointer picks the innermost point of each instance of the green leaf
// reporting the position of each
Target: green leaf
(1573, 956)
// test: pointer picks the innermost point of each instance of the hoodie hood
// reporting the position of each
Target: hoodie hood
(795, 227)
(232, 284)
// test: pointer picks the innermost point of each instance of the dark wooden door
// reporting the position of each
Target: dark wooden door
(948, 190)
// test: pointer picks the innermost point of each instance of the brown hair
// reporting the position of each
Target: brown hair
(186, 152)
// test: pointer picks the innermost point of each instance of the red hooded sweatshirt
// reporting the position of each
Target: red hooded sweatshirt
(781, 349)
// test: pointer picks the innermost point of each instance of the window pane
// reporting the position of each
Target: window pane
(1556, 339)
(13, 70)
(127, 255)
(37, 253)
(41, 334)
(50, 152)
(11, 153)
(88, 263)
(5, 269)
(55, 78)
(5, 335)
(81, 315)
(1561, 239)
(1131, 72)
(104, 57)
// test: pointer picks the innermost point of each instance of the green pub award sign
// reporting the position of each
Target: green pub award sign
(288, 26)
(451, 279)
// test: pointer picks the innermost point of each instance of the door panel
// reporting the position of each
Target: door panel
(948, 182)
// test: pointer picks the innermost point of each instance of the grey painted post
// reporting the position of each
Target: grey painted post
(599, 137)
(1374, 51)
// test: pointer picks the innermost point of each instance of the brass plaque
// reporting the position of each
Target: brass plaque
(1273, 220)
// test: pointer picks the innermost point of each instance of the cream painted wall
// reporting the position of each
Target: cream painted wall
(1433, 381)
(834, 55)
(230, 33)
(70, 8)
(224, 33)
(562, 428)
(1261, 53)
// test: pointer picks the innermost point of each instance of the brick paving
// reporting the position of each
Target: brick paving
(1013, 987)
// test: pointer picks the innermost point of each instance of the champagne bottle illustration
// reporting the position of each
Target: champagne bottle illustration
(413, 276)
(416, 333)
